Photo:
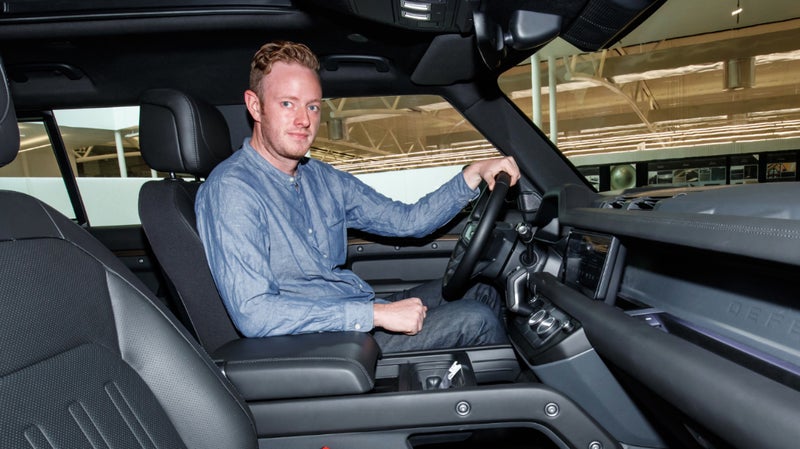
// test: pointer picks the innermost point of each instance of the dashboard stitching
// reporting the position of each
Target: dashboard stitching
(747, 229)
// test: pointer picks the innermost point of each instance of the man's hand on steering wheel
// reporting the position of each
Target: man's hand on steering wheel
(487, 170)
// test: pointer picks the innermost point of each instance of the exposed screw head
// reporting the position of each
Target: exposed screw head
(463, 408)
(551, 409)
(595, 445)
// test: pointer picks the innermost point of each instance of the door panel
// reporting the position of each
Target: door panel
(394, 264)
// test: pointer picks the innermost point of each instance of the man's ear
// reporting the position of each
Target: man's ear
(253, 104)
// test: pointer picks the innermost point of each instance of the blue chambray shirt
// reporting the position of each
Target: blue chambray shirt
(276, 244)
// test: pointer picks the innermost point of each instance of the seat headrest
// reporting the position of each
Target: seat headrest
(181, 134)
(9, 129)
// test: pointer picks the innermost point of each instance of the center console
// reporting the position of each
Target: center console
(302, 389)
(341, 363)
(588, 264)
(554, 345)
(336, 389)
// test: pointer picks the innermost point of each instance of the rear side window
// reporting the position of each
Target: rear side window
(35, 170)
(101, 152)
(103, 147)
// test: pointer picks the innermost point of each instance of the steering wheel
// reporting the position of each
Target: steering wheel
(474, 238)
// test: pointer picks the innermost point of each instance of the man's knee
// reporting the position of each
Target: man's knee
(485, 294)
(480, 324)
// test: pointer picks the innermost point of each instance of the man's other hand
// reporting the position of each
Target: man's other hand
(404, 316)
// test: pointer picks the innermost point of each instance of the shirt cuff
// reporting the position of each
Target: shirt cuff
(358, 316)
(463, 189)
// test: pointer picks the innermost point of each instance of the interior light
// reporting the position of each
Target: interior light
(737, 11)
(416, 6)
(415, 16)
(24, 150)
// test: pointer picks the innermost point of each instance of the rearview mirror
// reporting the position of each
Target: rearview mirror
(526, 30)
(530, 29)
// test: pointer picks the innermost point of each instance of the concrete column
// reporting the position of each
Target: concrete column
(536, 90)
(123, 168)
(551, 85)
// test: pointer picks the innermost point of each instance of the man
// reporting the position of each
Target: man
(274, 226)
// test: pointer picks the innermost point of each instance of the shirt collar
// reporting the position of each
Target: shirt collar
(279, 177)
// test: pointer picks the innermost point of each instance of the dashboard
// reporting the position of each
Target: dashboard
(691, 292)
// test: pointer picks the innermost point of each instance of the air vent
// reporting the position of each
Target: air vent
(632, 203)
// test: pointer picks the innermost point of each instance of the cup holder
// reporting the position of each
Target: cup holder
(452, 371)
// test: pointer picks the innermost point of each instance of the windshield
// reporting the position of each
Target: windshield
(709, 109)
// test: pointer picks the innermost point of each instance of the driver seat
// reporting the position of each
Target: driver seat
(90, 357)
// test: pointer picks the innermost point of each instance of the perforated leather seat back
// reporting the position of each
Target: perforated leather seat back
(89, 358)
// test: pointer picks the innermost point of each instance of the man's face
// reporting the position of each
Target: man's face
(287, 114)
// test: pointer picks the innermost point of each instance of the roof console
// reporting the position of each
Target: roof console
(448, 16)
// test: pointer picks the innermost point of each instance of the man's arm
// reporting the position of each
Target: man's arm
(370, 211)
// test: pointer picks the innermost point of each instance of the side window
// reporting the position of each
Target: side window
(102, 151)
(35, 170)
(403, 146)
(103, 148)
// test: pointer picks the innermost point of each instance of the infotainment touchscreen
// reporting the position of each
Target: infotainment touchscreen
(589, 262)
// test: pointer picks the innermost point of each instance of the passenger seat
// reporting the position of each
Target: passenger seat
(89, 356)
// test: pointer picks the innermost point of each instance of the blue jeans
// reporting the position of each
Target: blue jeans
(474, 320)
